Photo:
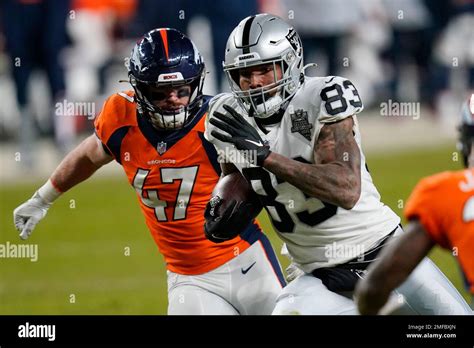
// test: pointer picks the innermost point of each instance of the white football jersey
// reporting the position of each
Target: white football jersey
(317, 234)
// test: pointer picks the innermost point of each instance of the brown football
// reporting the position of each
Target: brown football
(235, 187)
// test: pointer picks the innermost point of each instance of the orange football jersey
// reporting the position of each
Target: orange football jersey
(444, 205)
(173, 174)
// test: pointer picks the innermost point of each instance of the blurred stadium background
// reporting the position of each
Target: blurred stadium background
(95, 254)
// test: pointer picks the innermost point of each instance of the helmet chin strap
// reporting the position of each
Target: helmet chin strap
(251, 111)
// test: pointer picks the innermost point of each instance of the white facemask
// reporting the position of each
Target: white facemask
(269, 107)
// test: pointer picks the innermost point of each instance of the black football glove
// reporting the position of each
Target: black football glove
(227, 225)
(242, 135)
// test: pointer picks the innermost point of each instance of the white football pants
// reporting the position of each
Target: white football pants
(247, 284)
(427, 291)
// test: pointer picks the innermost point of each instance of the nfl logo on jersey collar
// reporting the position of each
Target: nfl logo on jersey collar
(300, 124)
(161, 147)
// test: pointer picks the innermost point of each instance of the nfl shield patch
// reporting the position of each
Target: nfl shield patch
(161, 147)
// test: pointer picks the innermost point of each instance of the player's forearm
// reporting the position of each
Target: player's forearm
(72, 170)
(78, 165)
(401, 256)
(373, 292)
(333, 183)
(228, 168)
(396, 262)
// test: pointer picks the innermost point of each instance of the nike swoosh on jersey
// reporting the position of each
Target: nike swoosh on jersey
(244, 271)
(254, 142)
(332, 78)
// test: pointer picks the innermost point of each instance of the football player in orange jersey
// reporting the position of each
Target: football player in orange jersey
(156, 133)
(441, 211)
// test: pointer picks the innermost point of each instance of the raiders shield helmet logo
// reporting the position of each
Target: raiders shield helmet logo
(294, 41)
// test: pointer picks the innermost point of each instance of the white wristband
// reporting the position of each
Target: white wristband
(48, 192)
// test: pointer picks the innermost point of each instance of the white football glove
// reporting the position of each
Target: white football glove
(293, 272)
(27, 215)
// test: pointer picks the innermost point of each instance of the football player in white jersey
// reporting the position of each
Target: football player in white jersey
(296, 140)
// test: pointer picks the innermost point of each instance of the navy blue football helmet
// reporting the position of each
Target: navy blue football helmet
(166, 58)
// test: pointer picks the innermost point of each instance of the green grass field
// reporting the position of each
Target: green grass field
(83, 262)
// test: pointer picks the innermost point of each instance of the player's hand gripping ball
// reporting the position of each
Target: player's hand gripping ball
(231, 209)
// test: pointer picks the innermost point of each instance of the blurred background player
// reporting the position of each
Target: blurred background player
(35, 34)
(156, 133)
(407, 51)
(309, 171)
(441, 211)
(212, 19)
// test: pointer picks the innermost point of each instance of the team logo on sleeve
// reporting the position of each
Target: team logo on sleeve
(300, 124)
(161, 147)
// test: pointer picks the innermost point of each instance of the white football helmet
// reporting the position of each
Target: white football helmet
(264, 39)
